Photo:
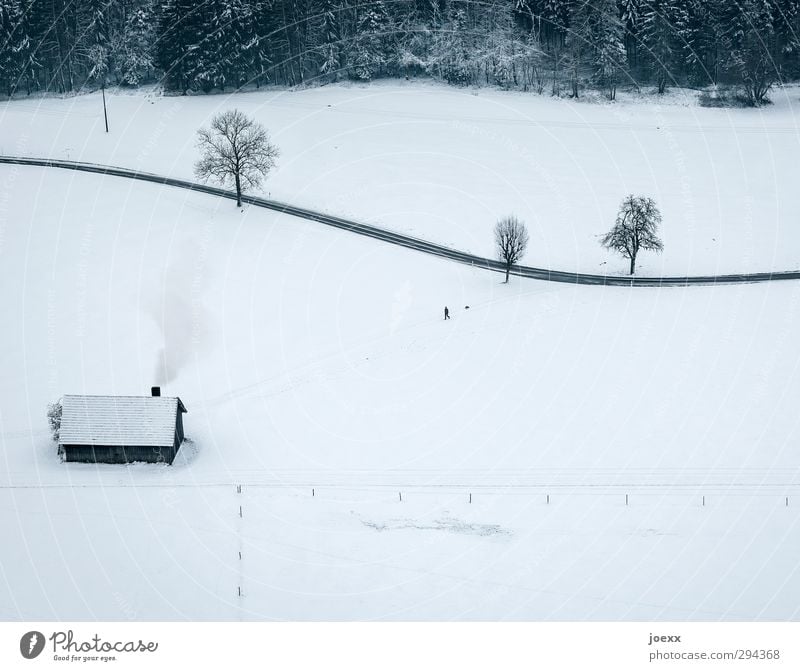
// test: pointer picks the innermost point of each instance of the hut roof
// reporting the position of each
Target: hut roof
(119, 420)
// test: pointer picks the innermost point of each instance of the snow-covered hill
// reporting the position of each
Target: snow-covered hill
(445, 164)
(312, 359)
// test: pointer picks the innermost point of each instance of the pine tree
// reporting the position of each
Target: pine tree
(500, 55)
(14, 45)
(663, 26)
(95, 23)
(555, 22)
(579, 40)
(630, 13)
(134, 50)
(264, 39)
(454, 55)
(552, 40)
(43, 46)
(224, 52)
(330, 39)
(244, 64)
(369, 53)
(631, 16)
(416, 31)
(177, 44)
(701, 52)
(60, 44)
(606, 38)
(787, 31)
(52, 28)
(751, 46)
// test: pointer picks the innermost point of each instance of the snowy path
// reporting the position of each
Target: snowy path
(405, 240)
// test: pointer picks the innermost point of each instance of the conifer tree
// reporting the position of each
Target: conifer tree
(606, 36)
(330, 39)
(177, 44)
(134, 51)
(752, 48)
(369, 48)
(631, 15)
(663, 26)
(14, 45)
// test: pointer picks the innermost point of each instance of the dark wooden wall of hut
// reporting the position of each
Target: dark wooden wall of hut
(115, 454)
(178, 429)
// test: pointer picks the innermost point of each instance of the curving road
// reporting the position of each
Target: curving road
(406, 240)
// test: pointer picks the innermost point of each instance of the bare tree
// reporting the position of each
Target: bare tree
(54, 419)
(635, 229)
(235, 149)
(511, 238)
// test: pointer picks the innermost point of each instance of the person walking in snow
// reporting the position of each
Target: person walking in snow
(446, 313)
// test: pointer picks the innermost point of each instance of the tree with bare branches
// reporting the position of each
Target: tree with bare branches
(635, 229)
(511, 239)
(235, 150)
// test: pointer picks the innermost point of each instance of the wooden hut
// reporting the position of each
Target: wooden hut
(121, 429)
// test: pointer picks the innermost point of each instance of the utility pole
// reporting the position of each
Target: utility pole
(105, 113)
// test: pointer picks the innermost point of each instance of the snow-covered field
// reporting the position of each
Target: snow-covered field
(313, 359)
(166, 553)
(446, 163)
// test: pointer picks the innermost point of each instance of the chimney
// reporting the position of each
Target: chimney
(155, 391)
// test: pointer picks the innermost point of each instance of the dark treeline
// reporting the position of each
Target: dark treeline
(547, 46)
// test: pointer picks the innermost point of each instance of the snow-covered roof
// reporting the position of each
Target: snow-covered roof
(119, 420)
